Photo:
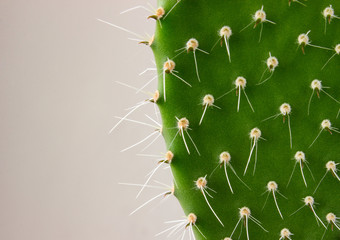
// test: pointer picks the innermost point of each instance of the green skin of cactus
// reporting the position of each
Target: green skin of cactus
(226, 129)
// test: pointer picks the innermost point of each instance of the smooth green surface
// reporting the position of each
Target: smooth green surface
(227, 130)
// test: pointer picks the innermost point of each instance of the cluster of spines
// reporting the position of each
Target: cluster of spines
(240, 83)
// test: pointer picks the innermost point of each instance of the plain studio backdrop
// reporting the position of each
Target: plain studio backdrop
(59, 167)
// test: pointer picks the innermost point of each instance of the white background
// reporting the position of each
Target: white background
(59, 167)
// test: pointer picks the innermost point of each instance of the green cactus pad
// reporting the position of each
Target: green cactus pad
(225, 129)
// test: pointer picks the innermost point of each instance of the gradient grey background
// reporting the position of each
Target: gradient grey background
(59, 167)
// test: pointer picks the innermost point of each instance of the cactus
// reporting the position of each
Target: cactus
(249, 123)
